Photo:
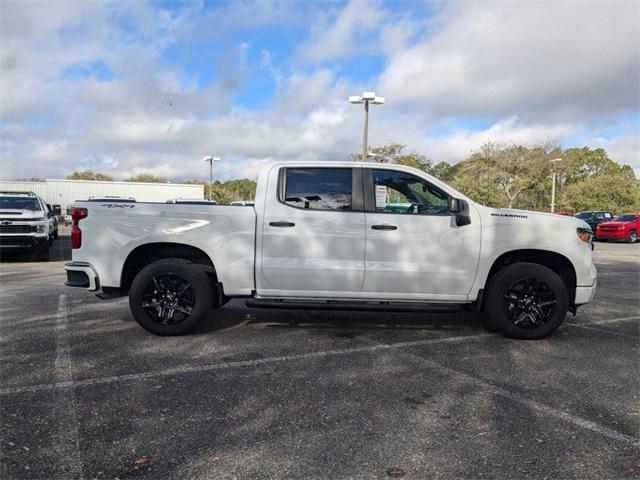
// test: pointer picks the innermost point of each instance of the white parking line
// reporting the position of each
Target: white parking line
(67, 441)
(613, 320)
(603, 330)
(590, 326)
(532, 404)
(69, 383)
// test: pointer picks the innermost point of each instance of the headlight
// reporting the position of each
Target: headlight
(40, 228)
(585, 234)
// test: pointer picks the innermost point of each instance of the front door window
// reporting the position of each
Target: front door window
(403, 193)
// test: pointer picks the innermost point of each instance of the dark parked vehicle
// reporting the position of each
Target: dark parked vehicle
(595, 218)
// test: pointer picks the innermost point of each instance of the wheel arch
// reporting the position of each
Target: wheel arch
(553, 260)
(148, 253)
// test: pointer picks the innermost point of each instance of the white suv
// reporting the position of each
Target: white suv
(25, 224)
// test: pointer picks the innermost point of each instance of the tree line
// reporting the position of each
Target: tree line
(517, 176)
(497, 175)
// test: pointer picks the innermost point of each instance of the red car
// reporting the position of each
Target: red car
(624, 227)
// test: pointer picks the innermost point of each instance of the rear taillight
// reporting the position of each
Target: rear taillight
(77, 214)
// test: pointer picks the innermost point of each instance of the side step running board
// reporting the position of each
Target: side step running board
(354, 306)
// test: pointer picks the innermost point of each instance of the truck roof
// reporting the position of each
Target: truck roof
(346, 163)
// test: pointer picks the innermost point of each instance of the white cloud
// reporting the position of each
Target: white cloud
(537, 60)
(336, 35)
(526, 67)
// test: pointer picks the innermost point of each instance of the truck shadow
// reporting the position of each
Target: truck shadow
(341, 323)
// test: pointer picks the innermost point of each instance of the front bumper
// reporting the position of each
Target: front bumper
(619, 236)
(585, 294)
(22, 243)
(81, 275)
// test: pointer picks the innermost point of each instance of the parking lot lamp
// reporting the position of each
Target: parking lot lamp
(366, 98)
(553, 184)
(211, 159)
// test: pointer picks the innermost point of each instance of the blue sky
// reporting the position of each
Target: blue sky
(132, 87)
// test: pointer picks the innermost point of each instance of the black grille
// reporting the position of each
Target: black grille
(18, 229)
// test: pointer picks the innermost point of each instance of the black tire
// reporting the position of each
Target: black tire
(42, 254)
(187, 297)
(526, 301)
(632, 237)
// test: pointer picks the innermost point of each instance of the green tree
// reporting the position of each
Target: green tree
(147, 178)
(444, 171)
(234, 190)
(615, 192)
(229, 191)
(519, 174)
(89, 175)
(393, 153)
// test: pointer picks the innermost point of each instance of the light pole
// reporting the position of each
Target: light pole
(366, 98)
(211, 159)
(553, 185)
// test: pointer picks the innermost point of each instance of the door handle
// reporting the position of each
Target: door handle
(282, 224)
(384, 227)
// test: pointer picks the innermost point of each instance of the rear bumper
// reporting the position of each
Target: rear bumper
(81, 275)
(22, 243)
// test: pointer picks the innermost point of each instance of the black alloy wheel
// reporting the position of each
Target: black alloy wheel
(526, 300)
(168, 299)
(171, 296)
(529, 303)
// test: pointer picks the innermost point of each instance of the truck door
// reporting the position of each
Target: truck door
(414, 248)
(313, 233)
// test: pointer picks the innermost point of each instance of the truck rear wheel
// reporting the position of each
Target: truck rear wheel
(526, 300)
(170, 296)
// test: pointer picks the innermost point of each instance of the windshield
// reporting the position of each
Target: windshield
(584, 215)
(626, 218)
(20, 203)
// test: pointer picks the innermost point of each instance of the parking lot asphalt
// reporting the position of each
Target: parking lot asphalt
(86, 393)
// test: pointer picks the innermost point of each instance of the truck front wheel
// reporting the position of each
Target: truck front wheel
(526, 300)
(170, 296)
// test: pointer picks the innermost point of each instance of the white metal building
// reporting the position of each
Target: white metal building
(65, 192)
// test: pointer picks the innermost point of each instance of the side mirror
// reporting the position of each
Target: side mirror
(460, 208)
(57, 210)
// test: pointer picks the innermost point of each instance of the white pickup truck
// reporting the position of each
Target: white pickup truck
(337, 235)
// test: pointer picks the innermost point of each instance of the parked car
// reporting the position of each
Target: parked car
(243, 203)
(25, 224)
(53, 213)
(321, 236)
(595, 218)
(624, 228)
(192, 201)
(566, 214)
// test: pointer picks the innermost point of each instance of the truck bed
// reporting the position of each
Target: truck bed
(111, 232)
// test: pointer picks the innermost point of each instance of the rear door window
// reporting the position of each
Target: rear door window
(319, 188)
